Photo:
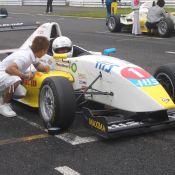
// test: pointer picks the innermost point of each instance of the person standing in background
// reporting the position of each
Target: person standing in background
(49, 8)
(108, 7)
(135, 4)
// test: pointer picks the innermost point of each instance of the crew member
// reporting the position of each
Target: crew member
(13, 70)
(155, 14)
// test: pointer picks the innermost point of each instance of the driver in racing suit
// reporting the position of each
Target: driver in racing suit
(59, 45)
(13, 70)
(62, 44)
(155, 14)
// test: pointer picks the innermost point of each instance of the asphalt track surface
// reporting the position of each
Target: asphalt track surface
(26, 149)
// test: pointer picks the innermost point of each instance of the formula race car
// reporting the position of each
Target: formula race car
(114, 96)
(3, 12)
(119, 22)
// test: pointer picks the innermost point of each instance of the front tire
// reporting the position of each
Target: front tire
(57, 103)
(165, 27)
(166, 76)
(114, 24)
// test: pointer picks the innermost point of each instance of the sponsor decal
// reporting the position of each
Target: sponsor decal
(82, 82)
(84, 88)
(61, 64)
(144, 82)
(105, 66)
(166, 100)
(96, 124)
(31, 83)
(40, 32)
(74, 67)
(39, 74)
(81, 76)
(139, 77)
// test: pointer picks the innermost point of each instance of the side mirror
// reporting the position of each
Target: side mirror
(109, 51)
(60, 56)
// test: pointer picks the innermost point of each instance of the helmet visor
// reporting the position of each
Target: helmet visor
(62, 50)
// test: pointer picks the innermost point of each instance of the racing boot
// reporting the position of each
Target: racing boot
(7, 111)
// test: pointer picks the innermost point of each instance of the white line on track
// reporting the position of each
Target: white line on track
(74, 139)
(66, 170)
(31, 123)
(129, 35)
(21, 13)
(171, 52)
(67, 137)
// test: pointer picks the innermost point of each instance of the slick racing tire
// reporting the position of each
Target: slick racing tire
(166, 76)
(165, 27)
(114, 24)
(3, 11)
(57, 103)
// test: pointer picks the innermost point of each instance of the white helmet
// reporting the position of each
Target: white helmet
(60, 43)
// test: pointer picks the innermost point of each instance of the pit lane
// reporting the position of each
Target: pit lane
(25, 147)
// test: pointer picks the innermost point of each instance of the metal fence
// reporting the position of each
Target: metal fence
(81, 3)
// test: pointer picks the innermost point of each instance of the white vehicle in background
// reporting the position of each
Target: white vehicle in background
(121, 22)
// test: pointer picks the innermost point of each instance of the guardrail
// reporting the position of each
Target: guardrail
(80, 3)
(123, 3)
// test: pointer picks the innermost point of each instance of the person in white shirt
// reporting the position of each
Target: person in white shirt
(13, 68)
(155, 14)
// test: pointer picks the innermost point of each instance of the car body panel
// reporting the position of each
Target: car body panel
(33, 86)
(133, 88)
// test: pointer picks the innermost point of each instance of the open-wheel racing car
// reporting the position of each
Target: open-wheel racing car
(114, 95)
(3, 12)
(119, 22)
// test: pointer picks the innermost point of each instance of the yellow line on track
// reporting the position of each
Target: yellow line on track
(23, 139)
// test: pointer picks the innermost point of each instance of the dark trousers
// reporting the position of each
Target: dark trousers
(150, 25)
(49, 6)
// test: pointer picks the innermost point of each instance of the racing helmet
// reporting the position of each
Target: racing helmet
(62, 44)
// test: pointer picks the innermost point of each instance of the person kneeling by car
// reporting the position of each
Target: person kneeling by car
(155, 14)
(13, 68)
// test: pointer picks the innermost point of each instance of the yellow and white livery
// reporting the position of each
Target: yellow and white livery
(89, 78)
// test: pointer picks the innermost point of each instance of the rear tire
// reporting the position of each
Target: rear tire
(165, 27)
(57, 103)
(114, 24)
(166, 76)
